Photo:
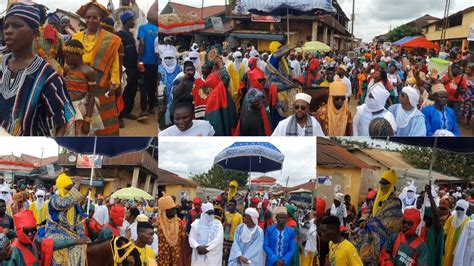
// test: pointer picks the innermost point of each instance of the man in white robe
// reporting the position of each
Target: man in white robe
(247, 247)
(408, 197)
(101, 213)
(302, 123)
(373, 107)
(464, 251)
(206, 239)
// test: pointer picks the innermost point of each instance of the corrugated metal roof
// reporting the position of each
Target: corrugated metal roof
(389, 159)
(169, 178)
(332, 155)
(207, 12)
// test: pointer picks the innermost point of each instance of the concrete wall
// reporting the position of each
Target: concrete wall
(458, 32)
(175, 190)
(348, 178)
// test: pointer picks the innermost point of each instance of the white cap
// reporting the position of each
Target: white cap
(303, 96)
(207, 207)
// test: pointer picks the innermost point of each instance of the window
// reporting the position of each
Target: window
(455, 20)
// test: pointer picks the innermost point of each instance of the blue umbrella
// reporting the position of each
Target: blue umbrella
(106, 146)
(260, 157)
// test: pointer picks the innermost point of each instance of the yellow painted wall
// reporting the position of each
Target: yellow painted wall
(459, 32)
(175, 190)
(351, 180)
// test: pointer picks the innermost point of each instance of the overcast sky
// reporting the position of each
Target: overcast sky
(373, 17)
(187, 156)
(28, 145)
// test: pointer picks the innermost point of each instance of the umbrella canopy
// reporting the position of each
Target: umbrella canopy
(283, 7)
(260, 157)
(131, 193)
(315, 46)
(404, 40)
(106, 146)
(420, 42)
(176, 24)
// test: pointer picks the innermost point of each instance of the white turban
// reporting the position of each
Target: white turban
(254, 214)
(380, 96)
(460, 216)
(303, 96)
(254, 53)
(237, 54)
(339, 197)
(207, 207)
(413, 95)
(40, 200)
(7, 197)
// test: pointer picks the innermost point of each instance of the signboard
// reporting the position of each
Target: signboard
(87, 161)
(266, 19)
(470, 35)
(51, 171)
(325, 180)
(217, 24)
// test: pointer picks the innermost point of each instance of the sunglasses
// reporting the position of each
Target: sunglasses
(193, 58)
(410, 191)
(4, 192)
(300, 107)
(383, 182)
(168, 58)
(39, 196)
(238, 57)
(29, 231)
(261, 80)
(459, 209)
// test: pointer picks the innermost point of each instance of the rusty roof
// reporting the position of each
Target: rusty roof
(207, 11)
(389, 159)
(332, 155)
(310, 185)
(39, 162)
(168, 178)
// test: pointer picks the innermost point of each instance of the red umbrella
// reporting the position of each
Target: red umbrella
(420, 42)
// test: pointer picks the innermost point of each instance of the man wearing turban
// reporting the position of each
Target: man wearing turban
(453, 228)
(117, 215)
(206, 239)
(406, 247)
(191, 216)
(39, 207)
(31, 250)
(335, 117)
(64, 220)
(170, 232)
(380, 221)
(236, 72)
(247, 247)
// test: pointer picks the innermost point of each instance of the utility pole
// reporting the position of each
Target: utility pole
(445, 22)
(352, 30)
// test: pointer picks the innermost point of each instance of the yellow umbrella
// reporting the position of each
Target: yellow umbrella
(131, 193)
(315, 46)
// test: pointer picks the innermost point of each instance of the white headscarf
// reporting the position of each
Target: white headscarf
(411, 195)
(460, 216)
(197, 61)
(237, 62)
(254, 53)
(169, 64)
(40, 200)
(380, 96)
(404, 117)
(205, 218)
(8, 196)
(246, 231)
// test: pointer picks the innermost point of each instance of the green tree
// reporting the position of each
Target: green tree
(403, 31)
(448, 163)
(219, 178)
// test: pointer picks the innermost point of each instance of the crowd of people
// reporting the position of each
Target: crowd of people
(285, 91)
(56, 81)
(52, 227)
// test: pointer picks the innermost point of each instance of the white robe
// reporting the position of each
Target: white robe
(101, 214)
(464, 251)
(213, 237)
(252, 250)
(362, 120)
(280, 130)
